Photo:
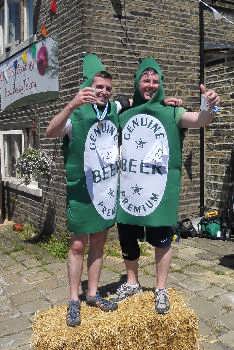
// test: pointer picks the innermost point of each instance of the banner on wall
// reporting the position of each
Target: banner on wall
(30, 76)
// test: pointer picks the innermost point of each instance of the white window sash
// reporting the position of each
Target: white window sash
(4, 151)
(25, 24)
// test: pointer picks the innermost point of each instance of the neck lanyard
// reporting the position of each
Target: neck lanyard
(102, 116)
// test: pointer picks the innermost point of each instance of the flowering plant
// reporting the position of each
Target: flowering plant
(33, 164)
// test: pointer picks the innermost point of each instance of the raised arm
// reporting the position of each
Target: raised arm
(57, 124)
(204, 117)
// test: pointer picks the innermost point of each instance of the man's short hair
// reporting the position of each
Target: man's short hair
(103, 74)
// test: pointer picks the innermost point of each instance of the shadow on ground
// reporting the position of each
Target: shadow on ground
(108, 289)
(227, 261)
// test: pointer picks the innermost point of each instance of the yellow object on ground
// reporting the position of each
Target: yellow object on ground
(134, 326)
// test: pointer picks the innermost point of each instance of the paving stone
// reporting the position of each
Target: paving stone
(149, 270)
(32, 307)
(48, 284)
(17, 288)
(194, 284)
(117, 265)
(16, 340)
(228, 320)
(212, 293)
(226, 300)
(19, 256)
(57, 295)
(31, 262)
(57, 268)
(23, 298)
(178, 276)
(230, 286)
(107, 276)
(214, 345)
(14, 326)
(206, 263)
(222, 270)
(147, 282)
(204, 330)
(205, 309)
(7, 262)
(228, 339)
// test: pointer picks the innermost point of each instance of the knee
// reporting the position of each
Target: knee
(130, 249)
(97, 239)
(78, 246)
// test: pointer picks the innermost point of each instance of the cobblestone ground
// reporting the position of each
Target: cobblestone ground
(31, 280)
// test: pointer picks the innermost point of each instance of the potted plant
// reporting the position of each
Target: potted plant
(32, 165)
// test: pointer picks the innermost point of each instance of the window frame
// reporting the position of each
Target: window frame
(14, 182)
(26, 33)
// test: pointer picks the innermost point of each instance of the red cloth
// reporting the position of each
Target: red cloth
(53, 6)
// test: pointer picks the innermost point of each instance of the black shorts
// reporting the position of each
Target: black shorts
(159, 237)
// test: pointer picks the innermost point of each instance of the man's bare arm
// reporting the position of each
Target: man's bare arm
(57, 124)
(202, 118)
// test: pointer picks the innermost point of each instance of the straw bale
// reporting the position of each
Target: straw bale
(135, 325)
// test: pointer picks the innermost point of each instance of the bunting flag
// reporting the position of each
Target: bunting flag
(33, 51)
(15, 64)
(53, 7)
(217, 14)
(24, 57)
(44, 31)
(5, 75)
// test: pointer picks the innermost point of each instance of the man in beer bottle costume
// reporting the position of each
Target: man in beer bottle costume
(150, 175)
(89, 124)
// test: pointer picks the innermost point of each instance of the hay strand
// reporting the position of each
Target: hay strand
(135, 325)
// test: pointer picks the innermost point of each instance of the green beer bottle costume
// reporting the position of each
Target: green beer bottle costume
(91, 162)
(151, 157)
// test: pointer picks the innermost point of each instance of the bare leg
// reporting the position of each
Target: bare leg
(132, 271)
(163, 260)
(95, 258)
(75, 264)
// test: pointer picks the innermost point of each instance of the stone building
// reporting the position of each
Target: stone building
(120, 32)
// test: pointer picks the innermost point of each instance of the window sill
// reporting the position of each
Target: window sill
(15, 184)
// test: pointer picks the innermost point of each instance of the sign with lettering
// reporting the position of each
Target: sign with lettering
(101, 164)
(30, 76)
(144, 165)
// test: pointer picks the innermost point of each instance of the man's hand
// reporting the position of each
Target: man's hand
(86, 95)
(173, 101)
(212, 98)
(205, 116)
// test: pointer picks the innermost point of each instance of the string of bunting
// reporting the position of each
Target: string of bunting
(25, 56)
(217, 14)
(33, 50)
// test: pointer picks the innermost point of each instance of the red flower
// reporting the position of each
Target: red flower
(18, 227)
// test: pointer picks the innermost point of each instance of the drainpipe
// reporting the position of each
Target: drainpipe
(202, 133)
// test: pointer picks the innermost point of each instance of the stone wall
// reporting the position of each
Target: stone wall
(219, 137)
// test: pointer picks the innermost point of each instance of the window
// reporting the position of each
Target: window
(16, 22)
(12, 145)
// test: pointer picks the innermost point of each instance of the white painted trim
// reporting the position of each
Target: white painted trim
(2, 154)
(17, 185)
(25, 40)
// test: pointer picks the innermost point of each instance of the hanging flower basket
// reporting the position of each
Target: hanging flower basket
(32, 165)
